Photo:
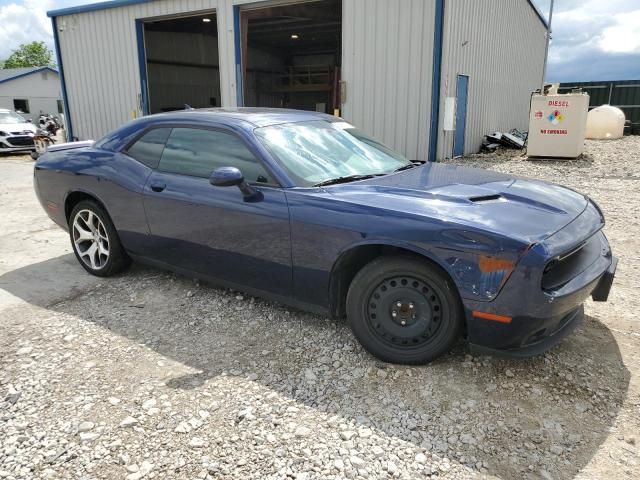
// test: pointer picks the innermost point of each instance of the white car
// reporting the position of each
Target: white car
(16, 133)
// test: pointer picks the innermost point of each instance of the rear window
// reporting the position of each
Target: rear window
(148, 149)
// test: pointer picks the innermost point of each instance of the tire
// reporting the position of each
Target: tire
(95, 240)
(421, 295)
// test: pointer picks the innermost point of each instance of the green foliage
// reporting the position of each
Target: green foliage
(34, 54)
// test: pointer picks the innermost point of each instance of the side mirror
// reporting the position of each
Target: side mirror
(230, 176)
(226, 177)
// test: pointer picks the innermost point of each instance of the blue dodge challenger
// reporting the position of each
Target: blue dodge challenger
(305, 209)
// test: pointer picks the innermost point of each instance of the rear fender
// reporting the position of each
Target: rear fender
(84, 193)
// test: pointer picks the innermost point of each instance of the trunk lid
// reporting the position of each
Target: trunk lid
(70, 145)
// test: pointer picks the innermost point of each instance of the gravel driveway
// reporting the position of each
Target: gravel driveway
(152, 375)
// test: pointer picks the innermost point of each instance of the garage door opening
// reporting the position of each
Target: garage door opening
(292, 55)
(182, 68)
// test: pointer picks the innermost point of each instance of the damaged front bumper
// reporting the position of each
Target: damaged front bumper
(534, 317)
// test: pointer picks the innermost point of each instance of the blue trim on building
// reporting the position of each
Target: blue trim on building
(435, 81)
(142, 65)
(238, 51)
(539, 13)
(31, 72)
(92, 7)
(68, 126)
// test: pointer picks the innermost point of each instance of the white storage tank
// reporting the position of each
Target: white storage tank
(605, 122)
(557, 125)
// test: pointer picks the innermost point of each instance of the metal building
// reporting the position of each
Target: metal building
(30, 91)
(386, 66)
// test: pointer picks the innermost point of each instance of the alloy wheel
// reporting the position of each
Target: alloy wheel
(90, 239)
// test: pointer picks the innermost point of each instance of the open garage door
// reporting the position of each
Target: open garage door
(181, 60)
(291, 55)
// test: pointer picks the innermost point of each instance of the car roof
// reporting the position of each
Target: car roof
(258, 117)
(244, 118)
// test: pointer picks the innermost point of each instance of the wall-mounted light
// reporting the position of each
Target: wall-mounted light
(206, 20)
(294, 36)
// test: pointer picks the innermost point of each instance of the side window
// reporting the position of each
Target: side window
(197, 152)
(21, 105)
(148, 148)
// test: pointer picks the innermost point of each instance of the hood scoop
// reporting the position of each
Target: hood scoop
(468, 193)
(482, 195)
(485, 198)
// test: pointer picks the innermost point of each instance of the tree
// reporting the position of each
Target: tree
(34, 54)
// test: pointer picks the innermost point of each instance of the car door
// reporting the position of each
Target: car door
(212, 230)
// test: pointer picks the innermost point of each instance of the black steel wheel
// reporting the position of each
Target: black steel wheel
(404, 310)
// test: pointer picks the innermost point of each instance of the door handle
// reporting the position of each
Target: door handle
(158, 187)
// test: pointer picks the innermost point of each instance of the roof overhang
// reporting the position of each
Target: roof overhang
(539, 13)
(92, 7)
(25, 74)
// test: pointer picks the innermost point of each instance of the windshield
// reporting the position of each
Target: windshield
(11, 117)
(317, 151)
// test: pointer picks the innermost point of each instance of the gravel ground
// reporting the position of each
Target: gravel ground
(151, 375)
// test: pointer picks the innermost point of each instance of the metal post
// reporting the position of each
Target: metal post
(546, 49)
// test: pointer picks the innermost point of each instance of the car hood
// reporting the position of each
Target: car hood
(528, 210)
(17, 127)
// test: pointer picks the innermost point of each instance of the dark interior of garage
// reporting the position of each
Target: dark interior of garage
(182, 63)
(292, 55)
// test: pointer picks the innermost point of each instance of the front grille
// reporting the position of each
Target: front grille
(20, 141)
(565, 267)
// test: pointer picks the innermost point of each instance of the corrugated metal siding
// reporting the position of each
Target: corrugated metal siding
(387, 61)
(387, 64)
(100, 58)
(387, 58)
(176, 85)
(500, 44)
(624, 94)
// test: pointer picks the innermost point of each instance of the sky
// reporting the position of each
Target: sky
(592, 39)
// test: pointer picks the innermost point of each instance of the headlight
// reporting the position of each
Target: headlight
(3, 134)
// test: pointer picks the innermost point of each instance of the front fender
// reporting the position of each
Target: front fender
(391, 244)
(476, 274)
